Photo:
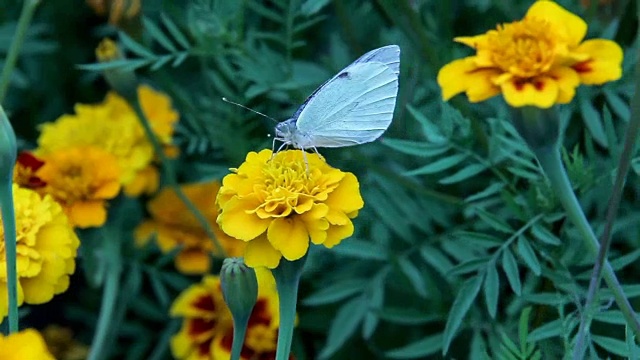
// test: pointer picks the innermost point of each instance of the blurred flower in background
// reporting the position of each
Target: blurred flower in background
(46, 249)
(24, 172)
(62, 345)
(207, 328)
(174, 225)
(114, 127)
(277, 203)
(81, 179)
(118, 11)
(538, 61)
(23, 345)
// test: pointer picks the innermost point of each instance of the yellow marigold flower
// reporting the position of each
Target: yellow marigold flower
(146, 182)
(81, 179)
(46, 249)
(207, 328)
(62, 345)
(114, 127)
(278, 203)
(26, 344)
(538, 61)
(174, 225)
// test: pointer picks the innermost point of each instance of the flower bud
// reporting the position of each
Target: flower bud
(239, 288)
(122, 79)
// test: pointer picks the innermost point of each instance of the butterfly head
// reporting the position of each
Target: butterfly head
(288, 133)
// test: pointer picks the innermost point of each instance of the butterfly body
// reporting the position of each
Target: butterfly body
(354, 107)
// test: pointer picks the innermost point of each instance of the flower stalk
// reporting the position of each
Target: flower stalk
(28, 9)
(8, 154)
(287, 276)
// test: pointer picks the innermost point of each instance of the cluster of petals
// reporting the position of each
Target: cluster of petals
(173, 225)
(537, 61)
(46, 249)
(114, 127)
(277, 203)
(26, 344)
(207, 327)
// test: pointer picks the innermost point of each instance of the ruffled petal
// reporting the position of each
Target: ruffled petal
(571, 26)
(541, 92)
(289, 236)
(260, 252)
(237, 220)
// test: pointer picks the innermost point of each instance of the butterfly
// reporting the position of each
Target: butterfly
(354, 107)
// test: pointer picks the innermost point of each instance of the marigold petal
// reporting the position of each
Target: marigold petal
(88, 214)
(193, 262)
(316, 223)
(26, 344)
(604, 64)
(464, 75)
(572, 26)
(476, 42)
(337, 233)
(567, 80)
(182, 345)
(346, 197)
(237, 221)
(289, 236)
(541, 92)
(197, 300)
(259, 252)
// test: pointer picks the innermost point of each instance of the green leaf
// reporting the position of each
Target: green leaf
(344, 325)
(158, 35)
(610, 317)
(414, 276)
(461, 305)
(523, 329)
(375, 295)
(174, 31)
(335, 292)
(613, 346)
(491, 289)
(408, 316)
(492, 189)
(543, 234)
(549, 330)
(135, 47)
(618, 105)
(436, 258)
(311, 7)
(472, 265)
(463, 174)
(495, 222)
(416, 148)
(438, 166)
(361, 249)
(418, 349)
(625, 260)
(430, 131)
(528, 255)
(593, 122)
(510, 267)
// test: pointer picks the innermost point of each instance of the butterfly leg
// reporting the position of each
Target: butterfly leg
(316, 151)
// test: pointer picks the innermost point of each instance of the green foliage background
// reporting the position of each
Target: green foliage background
(461, 247)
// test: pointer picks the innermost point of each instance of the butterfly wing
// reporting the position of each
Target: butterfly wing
(355, 106)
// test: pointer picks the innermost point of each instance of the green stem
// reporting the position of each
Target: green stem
(239, 332)
(9, 227)
(169, 171)
(28, 8)
(549, 158)
(111, 246)
(287, 276)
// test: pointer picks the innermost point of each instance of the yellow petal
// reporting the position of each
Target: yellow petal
(346, 197)
(259, 252)
(567, 80)
(236, 221)
(463, 75)
(571, 26)
(541, 92)
(289, 236)
(337, 233)
(604, 64)
(193, 262)
(88, 214)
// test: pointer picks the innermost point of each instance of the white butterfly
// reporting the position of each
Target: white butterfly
(354, 107)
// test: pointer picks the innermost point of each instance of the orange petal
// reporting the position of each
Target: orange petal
(260, 252)
(604, 64)
(289, 236)
(541, 92)
(571, 26)
(88, 214)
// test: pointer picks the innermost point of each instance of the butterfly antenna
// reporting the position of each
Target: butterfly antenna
(253, 111)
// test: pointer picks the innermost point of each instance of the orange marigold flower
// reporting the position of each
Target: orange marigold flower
(207, 328)
(277, 203)
(174, 225)
(114, 127)
(46, 250)
(81, 179)
(24, 173)
(62, 345)
(537, 61)
(26, 344)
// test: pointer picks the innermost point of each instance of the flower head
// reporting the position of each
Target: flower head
(538, 61)
(81, 179)
(278, 203)
(62, 344)
(46, 249)
(207, 328)
(173, 225)
(114, 127)
(26, 344)
(24, 173)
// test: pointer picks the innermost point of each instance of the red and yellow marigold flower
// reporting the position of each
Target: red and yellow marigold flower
(46, 249)
(174, 225)
(537, 61)
(26, 344)
(278, 203)
(81, 179)
(114, 127)
(24, 173)
(207, 328)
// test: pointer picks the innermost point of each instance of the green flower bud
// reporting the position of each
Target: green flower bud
(122, 79)
(239, 288)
